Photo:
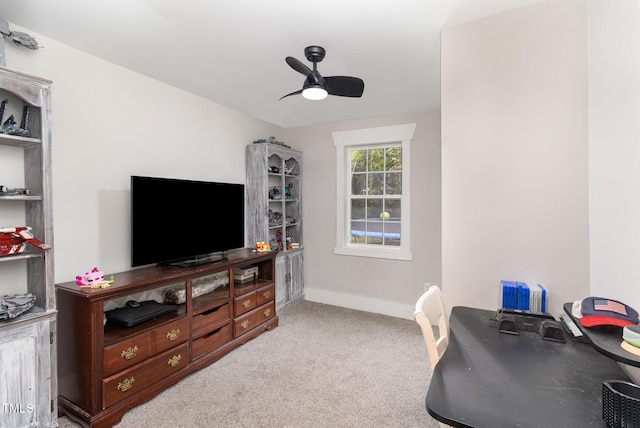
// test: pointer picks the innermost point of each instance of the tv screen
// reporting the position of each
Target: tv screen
(184, 222)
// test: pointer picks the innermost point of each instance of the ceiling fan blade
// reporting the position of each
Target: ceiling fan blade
(298, 66)
(344, 86)
(292, 93)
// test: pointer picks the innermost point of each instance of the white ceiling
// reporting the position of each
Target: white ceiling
(233, 51)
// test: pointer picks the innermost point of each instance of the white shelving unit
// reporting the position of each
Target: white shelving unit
(274, 212)
(28, 375)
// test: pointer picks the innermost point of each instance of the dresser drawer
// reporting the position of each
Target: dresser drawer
(210, 320)
(253, 319)
(244, 303)
(127, 383)
(266, 312)
(244, 323)
(266, 294)
(126, 353)
(169, 335)
(211, 341)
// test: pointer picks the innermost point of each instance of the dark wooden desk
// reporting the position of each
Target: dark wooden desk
(488, 379)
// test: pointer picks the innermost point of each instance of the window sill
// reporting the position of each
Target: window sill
(392, 254)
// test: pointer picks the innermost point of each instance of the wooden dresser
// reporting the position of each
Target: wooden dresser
(105, 369)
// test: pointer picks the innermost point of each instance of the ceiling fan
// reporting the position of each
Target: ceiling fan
(317, 87)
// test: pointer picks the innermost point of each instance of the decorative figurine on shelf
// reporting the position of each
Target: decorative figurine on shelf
(93, 279)
(9, 126)
(274, 169)
(17, 304)
(274, 193)
(287, 190)
(18, 37)
(279, 239)
(3, 107)
(288, 170)
(271, 140)
(14, 240)
(262, 247)
(7, 191)
(275, 218)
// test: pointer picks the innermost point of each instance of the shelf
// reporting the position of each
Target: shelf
(284, 199)
(114, 333)
(34, 313)
(216, 298)
(21, 198)
(283, 226)
(14, 140)
(277, 174)
(20, 256)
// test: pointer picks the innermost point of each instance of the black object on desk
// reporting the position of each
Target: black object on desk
(486, 379)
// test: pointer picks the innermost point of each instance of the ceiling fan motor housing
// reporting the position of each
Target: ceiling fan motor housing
(314, 53)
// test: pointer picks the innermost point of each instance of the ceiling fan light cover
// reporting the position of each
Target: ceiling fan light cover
(315, 93)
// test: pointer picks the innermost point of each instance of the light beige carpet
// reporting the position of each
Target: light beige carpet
(324, 366)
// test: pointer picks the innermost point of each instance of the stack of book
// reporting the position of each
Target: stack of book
(518, 295)
(245, 274)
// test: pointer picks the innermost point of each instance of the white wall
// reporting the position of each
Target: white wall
(614, 147)
(385, 286)
(110, 123)
(515, 154)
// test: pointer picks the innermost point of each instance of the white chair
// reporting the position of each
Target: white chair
(429, 313)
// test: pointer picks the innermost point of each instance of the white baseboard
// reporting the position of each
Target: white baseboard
(359, 303)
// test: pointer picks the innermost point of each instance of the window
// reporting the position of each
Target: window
(373, 192)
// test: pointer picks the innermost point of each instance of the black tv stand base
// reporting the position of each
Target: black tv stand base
(199, 260)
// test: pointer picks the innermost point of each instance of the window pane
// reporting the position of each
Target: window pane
(392, 206)
(394, 159)
(358, 160)
(374, 208)
(359, 184)
(392, 223)
(392, 238)
(358, 222)
(393, 183)
(376, 159)
(376, 183)
(358, 209)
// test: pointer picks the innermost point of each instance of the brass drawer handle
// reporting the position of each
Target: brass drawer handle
(266, 294)
(244, 324)
(267, 312)
(130, 352)
(173, 334)
(126, 384)
(175, 360)
(246, 303)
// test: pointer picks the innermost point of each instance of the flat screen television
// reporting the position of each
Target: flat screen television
(184, 222)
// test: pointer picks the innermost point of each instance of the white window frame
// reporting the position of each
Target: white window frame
(346, 140)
